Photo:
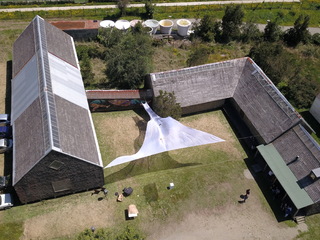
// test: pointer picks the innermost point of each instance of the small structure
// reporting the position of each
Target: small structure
(110, 100)
(154, 24)
(107, 24)
(166, 26)
(315, 108)
(183, 27)
(134, 22)
(78, 29)
(122, 25)
(132, 211)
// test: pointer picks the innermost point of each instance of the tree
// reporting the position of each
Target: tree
(250, 32)
(205, 29)
(150, 9)
(122, 6)
(109, 37)
(316, 39)
(165, 105)
(86, 69)
(231, 23)
(301, 91)
(279, 64)
(299, 32)
(129, 61)
(272, 32)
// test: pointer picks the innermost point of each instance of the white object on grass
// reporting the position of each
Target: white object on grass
(166, 134)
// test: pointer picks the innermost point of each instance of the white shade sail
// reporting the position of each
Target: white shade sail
(166, 134)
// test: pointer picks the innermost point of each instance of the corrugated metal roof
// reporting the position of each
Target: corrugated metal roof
(77, 24)
(119, 94)
(67, 82)
(25, 88)
(288, 181)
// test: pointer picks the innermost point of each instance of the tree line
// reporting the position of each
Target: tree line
(271, 50)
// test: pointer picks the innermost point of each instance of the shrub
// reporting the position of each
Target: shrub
(199, 55)
(206, 29)
(165, 105)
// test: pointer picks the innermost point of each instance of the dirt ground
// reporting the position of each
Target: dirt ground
(69, 220)
(245, 221)
(236, 221)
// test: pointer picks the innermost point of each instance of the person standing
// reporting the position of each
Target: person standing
(246, 196)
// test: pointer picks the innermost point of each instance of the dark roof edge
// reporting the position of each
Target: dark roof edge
(35, 163)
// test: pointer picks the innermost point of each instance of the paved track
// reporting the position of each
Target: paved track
(142, 5)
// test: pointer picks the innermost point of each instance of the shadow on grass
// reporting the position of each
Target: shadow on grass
(151, 192)
(150, 164)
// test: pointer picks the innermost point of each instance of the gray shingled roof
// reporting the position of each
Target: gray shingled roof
(302, 145)
(240, 79)
(261, 103)
(55, 114)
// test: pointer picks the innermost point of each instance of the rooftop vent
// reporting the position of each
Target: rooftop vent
(315, 173)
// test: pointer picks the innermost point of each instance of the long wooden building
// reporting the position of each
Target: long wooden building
(55, 147)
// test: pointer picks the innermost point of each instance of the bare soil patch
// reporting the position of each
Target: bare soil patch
(70, 220)
(235, 221)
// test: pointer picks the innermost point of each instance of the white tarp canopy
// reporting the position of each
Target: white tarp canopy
(166, 134)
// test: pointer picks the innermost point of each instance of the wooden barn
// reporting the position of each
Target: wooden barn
(55, 147)
(277, 132)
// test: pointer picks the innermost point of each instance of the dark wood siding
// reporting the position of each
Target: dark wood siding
(37, 184)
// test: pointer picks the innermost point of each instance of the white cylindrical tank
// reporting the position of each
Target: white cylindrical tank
(166, 26)
(154, 24)
(107, 24)
(148, 30)
(122, 24)
(134, 22)
(183, 27)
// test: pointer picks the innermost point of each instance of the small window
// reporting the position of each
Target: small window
(56, 165)
(62, 185)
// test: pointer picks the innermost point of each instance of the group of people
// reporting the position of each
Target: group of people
(286, 208)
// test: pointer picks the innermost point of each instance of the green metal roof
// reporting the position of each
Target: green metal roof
(288, 181)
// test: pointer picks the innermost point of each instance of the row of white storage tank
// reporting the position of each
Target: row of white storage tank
(166, 25)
